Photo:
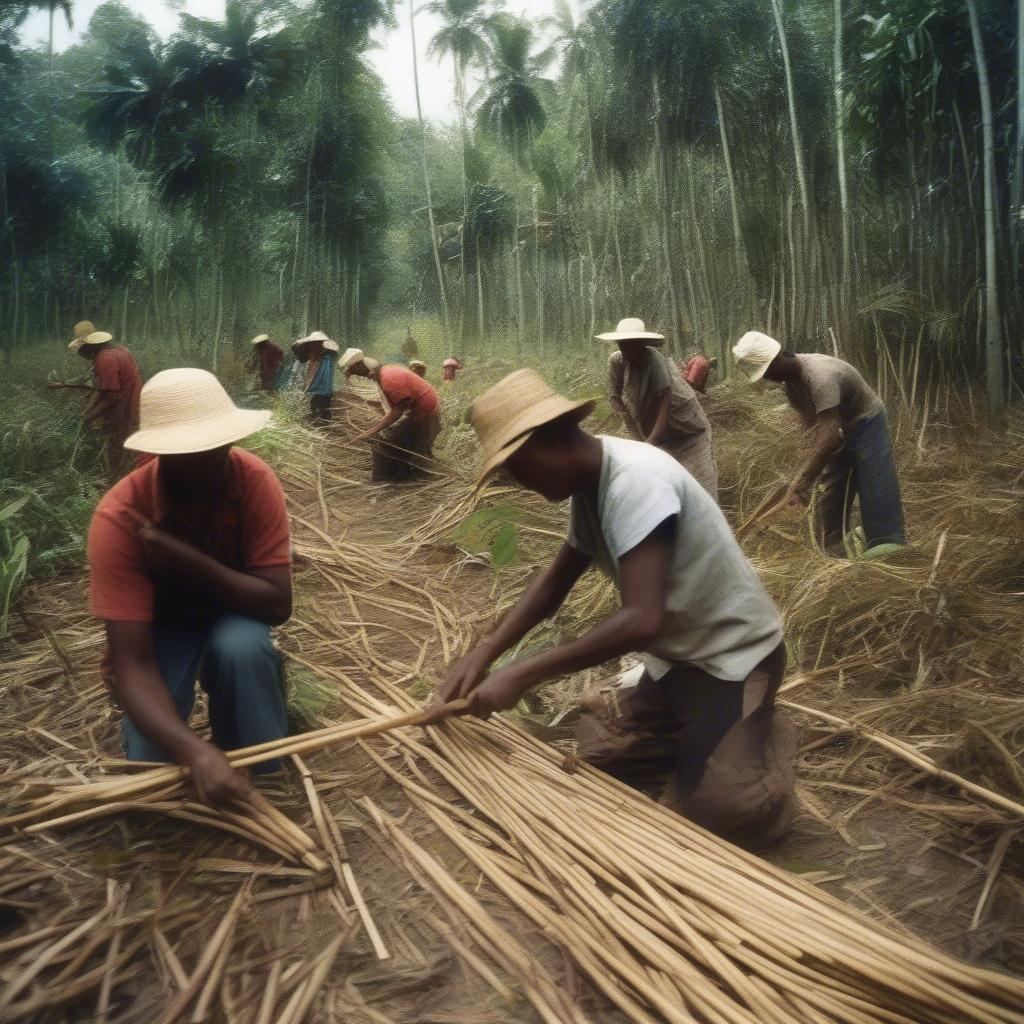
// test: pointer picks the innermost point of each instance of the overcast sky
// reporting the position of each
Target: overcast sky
(392, 57)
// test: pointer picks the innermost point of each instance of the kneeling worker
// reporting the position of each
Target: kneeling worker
(702, 713)
(189, 567)
(849, 448)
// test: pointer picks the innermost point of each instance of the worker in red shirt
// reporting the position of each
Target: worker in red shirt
(267, 358)
(114, 404)
(404, 439)
(189, 567)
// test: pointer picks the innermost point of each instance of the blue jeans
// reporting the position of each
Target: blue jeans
(864, 467)
(240, 671)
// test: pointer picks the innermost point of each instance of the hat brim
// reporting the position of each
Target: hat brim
(192, 438)
(577, 410)
(259, 339)
(756, 373)
(647, 336)
(75, 344)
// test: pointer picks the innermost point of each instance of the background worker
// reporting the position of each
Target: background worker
(703, 710)
(113, 406)
(189, 567)
(319, 354)
(656, 404)
(449, 368)
(267, 359)
(846, 438)
(404, 439)
(81, 330)
(418, 367)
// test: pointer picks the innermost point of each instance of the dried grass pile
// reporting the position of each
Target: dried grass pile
(494, 884)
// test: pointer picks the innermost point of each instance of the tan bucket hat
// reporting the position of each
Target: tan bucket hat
(350, 357)
(186, 411)
(753, 354)
(506, 415)
(259, 338)
(80, 330)
(329, 345)
(632, 329)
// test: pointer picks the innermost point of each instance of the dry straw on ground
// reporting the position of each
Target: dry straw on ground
(464, 874)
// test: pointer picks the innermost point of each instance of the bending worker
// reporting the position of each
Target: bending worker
(656, 404)
(404, 439)
(319, 353)
(846, 433)
(702, 713)
(114, 403)
(267, 359)
(189, 567)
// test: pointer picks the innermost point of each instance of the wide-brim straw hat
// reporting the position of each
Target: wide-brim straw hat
(417, 364)
(260, 338)
(97, 338)
(331, 346)
(80, 330)
(350, 357)
(754, 353)
(185, 411)
(506, 415)
(632, 329)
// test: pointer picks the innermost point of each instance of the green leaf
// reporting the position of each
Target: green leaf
(14, 507)
(505, 546)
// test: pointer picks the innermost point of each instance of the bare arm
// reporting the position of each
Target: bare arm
(661, 420)
(101, 405)
(144, 696)
(398, 410)
(644, 583)
(542, 599)
(262, 594)
(825, 437)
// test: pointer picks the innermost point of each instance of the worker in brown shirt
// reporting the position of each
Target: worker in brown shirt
(849, 447)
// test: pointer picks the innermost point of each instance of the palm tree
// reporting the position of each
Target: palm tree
(426, 178)
(463, 37)
(511, 110)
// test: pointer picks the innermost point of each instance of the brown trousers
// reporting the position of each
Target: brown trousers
(711, 749)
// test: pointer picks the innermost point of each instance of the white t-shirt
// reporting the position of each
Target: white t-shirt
(719, 616)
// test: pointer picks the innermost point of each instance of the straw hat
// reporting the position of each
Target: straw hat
(415, 364)
(186, 411)
(260, 338)
(753, 353)
(81, 330)
(97, 338)
(632, 329)
(331, 346)
(505, 415)
(350, 357)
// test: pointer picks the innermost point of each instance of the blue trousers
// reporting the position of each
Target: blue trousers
(237, 666)
(863, 468)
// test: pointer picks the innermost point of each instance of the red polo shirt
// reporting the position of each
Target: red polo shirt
(117, 374)
(249, 531)
(400, 384)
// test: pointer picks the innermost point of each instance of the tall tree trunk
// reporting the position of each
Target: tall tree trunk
(426, 178)
(994, 376)
(845, 284)
(794, 128)
(1017, 187)
(539, 313)
(731, 178)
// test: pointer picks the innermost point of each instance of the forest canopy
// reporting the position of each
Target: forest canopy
(846, 174)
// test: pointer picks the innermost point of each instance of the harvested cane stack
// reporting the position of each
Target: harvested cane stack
(165, 790)
(668, 921)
